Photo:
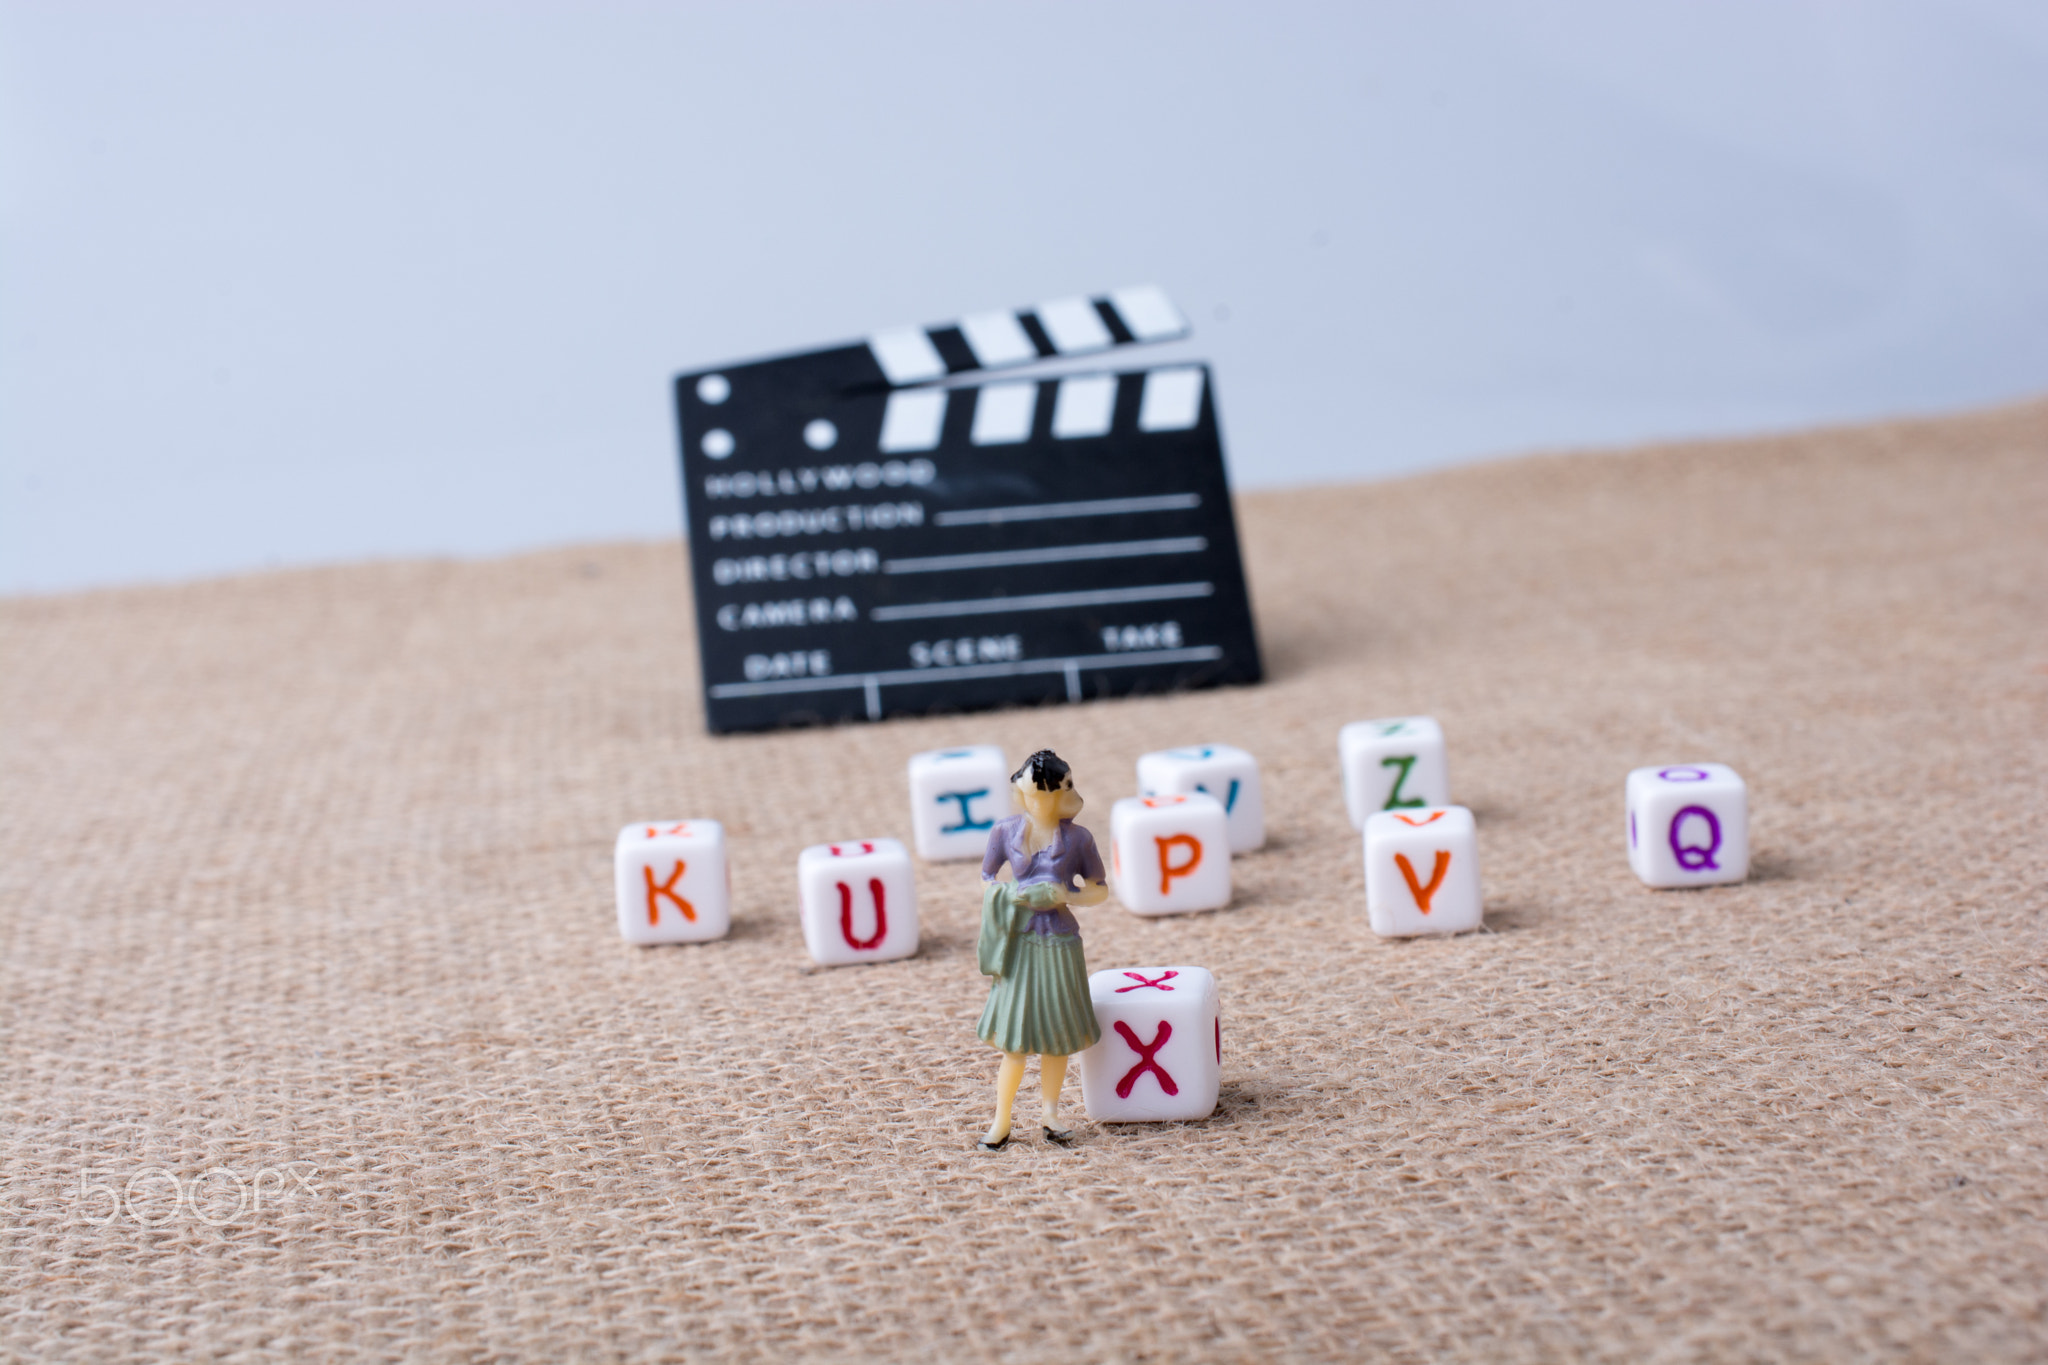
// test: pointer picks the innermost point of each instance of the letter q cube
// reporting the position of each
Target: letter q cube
(1422, 872)
(674, 883)
(1392, 764)
(956, 797)
(1170, 854)
(1688, 825)
(858, 901)
(1228, 774)
(1160, 1056)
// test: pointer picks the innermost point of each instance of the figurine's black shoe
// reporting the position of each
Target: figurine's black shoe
(988, 1146)
(1063, 1136)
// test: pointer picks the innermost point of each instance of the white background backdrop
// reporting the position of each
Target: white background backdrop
(284, 284)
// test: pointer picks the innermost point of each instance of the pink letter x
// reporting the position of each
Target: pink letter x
(1145, 1063)
(1143, 983)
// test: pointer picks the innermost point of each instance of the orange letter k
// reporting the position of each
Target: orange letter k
(668, 888)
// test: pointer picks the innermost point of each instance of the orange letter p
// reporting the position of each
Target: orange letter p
(1168, 869)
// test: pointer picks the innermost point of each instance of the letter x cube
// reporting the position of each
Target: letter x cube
(858, 901)
(956, 797)
(674, 883)
(1160, 1056)
(1170, 854)
(1422, 872)
(1392, 764)
(1230, 775)
(1688, 825)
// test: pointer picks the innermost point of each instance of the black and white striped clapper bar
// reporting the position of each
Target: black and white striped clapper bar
(871, 535)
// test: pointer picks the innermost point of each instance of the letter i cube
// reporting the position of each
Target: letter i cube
(1688, 825)
(1160, 1056)
(674, 883)
(858, 901)
(1422, 872)
(1392, 764)
(956, 797)
(1170, 854)
(1230, 775)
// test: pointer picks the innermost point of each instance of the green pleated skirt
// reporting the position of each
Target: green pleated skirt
(1041, 1005)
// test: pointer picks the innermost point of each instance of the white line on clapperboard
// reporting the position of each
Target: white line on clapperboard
(1058, 554)
(872, 683)
(1049, 511)
(1043, 601)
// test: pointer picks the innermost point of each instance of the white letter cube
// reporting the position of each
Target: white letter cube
(1160, 1056)
(1230, 775)
(674, 883)
(956, 797)
(1422, 872)
(858, 901)
(1392, 764)
(1170, 854)
(1688, 825)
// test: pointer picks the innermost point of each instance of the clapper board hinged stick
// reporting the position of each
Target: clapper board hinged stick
(871, 535)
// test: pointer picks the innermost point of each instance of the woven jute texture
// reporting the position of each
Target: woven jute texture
(321, 1042)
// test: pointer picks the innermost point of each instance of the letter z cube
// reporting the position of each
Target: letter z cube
(1170, 854)
(956, 797)
(1392, 764)
(1422, 872)
(858, 901)
(674, 884)
(1160, 1056)
(1230, 775)
(1688, 825)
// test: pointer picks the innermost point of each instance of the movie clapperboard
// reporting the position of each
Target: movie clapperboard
(873, 535)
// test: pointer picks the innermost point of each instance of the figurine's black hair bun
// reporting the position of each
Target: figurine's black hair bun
(1047, 770)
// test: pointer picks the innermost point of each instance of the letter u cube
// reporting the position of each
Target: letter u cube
(1688, 825)
(1170, 854)
(1392, 764)
(674, 883)
(1160, 1056)
(1422, 872)
(1230, 775)
(858, 901)
(956, 797)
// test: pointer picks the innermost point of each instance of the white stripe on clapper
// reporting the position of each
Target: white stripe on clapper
(1048, 511)
(1058, 554)
(1043, 601)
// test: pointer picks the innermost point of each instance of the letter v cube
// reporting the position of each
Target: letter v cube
(1229, 774)
(674, 883)
(1422, 872)
(858, 901)
(1160, 1056)
(1392, 764)
(956, 797)
(1688, 825)
(1170, 854)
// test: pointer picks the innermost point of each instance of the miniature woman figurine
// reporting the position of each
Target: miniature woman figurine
(1031, 942)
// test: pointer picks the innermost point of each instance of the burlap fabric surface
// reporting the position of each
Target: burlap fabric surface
(306, 883)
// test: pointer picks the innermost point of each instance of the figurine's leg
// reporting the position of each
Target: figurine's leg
(1052, 1073)
(1008, 1077)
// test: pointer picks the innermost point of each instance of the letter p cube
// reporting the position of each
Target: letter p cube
(673, 881)
(1170, 854)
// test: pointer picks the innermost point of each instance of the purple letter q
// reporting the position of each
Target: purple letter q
(1691, 857)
